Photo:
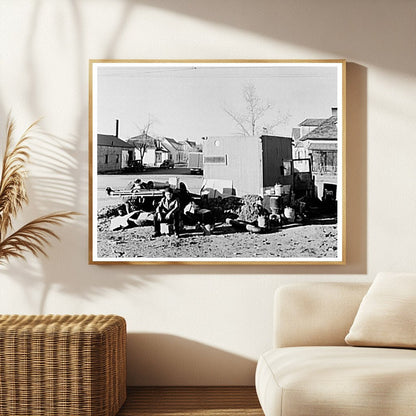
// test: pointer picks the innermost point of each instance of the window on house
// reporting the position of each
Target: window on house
(324, 162)
(106, 159)
(117, 158)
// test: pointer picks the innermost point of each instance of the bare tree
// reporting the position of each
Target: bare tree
(144, 140)
(256, 108)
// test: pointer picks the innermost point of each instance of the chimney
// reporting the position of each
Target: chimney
(117, 122)
(334, 111)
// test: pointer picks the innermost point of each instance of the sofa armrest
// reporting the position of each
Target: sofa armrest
(308, 314)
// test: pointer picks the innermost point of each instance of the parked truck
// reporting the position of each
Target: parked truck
(195, 163)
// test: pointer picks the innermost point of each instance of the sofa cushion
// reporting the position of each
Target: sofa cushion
(342, 381)
(387, 314)
(315, 314)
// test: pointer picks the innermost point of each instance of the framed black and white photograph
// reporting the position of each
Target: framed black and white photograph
(217, 162)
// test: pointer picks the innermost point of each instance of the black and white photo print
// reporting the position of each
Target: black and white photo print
(208, 162)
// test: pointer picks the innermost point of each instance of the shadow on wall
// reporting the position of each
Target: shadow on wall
(59, 181)
(54, 187)
(161, 359)
(339, 28)
(356, 169)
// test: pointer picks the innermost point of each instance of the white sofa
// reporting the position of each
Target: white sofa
(311, 371)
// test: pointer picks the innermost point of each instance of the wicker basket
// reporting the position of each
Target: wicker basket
(71, 365)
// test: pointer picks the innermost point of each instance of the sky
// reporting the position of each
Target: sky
(187, 101)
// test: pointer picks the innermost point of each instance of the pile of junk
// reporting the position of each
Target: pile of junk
(213, 207)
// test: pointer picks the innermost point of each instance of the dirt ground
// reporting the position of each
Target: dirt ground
(289, 241)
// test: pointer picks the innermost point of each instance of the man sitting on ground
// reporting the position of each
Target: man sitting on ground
(167, 211)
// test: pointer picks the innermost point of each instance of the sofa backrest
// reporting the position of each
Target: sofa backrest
(309, 314)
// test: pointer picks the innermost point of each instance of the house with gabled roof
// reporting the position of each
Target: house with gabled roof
(149, 150)
(113, 154)
(320, 144)
(176, 149)
(303, 129)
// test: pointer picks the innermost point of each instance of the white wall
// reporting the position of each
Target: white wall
(190, 324)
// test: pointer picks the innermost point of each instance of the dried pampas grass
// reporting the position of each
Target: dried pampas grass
(34, 236)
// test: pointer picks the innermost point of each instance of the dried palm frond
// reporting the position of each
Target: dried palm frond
(34, 236)
(12, 184)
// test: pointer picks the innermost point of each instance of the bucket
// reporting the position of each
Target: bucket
(274, 203)
(290, 214)
(278, 190)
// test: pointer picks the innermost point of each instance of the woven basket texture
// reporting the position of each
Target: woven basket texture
(53, 365)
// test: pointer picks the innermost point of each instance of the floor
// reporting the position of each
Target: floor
(187, 401)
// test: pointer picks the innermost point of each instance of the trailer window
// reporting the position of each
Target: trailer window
(215, 160)
(287, 168)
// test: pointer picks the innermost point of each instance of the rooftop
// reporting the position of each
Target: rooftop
(142, 139)
(327, 130)
(109, 140)
(312, 122)
(174, 143)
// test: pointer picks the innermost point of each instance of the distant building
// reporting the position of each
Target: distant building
(113, 154)
(157, 150)
(321, 145)
(305, 127)
(153, 151)
(177, 150)
(246, 164)
(189, 146)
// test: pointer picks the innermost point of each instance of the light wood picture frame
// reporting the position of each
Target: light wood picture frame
(217, 162)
